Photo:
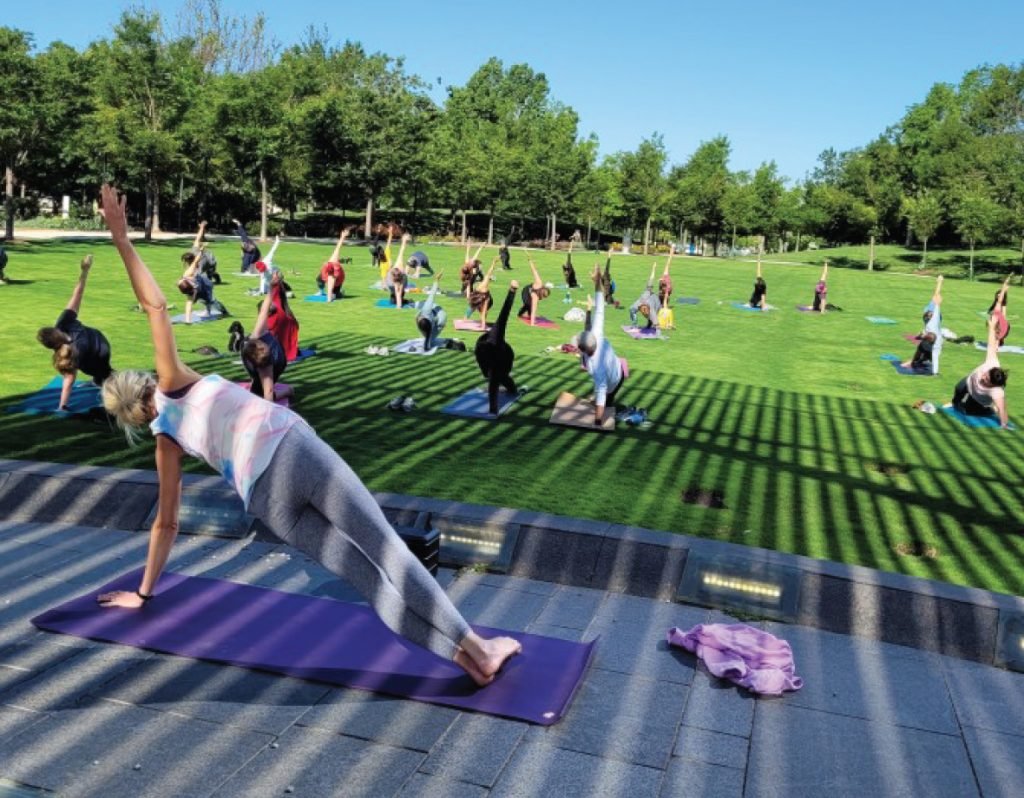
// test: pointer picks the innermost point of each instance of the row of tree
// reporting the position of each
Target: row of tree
(212, 119)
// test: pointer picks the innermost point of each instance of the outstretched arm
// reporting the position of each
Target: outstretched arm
(992, 350)
(824, 272)
(485, 284)
(937, 296)
(264, 315)
(1001, 296)
(270, 255)
(406, 238)
(668, 263)
(650, 279)
(76, 296)
(337, 247)
(199, 235)
(537, 282)
(171, 372)
(759, 262)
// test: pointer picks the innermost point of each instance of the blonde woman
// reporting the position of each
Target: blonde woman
(75, 346)
(266, 452)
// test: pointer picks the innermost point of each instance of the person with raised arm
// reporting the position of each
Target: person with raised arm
(494, 355)
(759, 298)
(75, 346)
(597, 356)
(533, 294)
(384, 258)
(470, 273)
(197, 287)
(665, 283)
(431, 318)
(983, 391)
(332, 274)
(480, 299)
(207, 260)
(266, 452)
(929, 347)
(998, 309)
(648, 305)
(821, 291)
(607, 283)
(567, 269)
(250, 252)
(263, 357)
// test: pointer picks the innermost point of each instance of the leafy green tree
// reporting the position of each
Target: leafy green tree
(738, 205)
(768, 190)
(975, 217)
(924, 214)
(699, 187)
(643, 185)
(19, 110)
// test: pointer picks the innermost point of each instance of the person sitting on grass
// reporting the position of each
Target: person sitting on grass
(480, 299)
(998, 309)
(207, 260)
(929, 347)
(648, 305)
(197, 287)
(263, 357)
(250, 252)
(419, 261)
(75, 346)
(533, 294)
(331, 280)
(982, 392)
(470, 273)
(494, 355)
(568, 271)
(397, 279)
(431, 318)
(821, 292)
(597, 356)
(268, 452)
(759, 299)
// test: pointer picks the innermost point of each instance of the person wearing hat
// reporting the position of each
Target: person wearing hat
(929, 347)
(533, 294)
(597, 356)
(494, 355)
(648, 305)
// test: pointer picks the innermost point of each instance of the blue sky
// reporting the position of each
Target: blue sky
(782, 80)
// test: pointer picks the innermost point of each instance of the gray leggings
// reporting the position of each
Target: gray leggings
(311, 499)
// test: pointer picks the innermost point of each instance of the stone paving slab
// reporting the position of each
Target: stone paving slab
(716, 705)
(986, 697)
(998, 762)
(475, 749)
(687, 778)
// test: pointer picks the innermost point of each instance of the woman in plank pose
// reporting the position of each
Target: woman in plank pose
(266, 451)
(75, 346)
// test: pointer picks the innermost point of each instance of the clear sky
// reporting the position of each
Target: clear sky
(783, 80)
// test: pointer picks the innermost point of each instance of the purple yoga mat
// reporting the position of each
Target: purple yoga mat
(322, 639)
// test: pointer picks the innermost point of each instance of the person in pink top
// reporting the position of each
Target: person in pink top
(265, 451)
(982, 392)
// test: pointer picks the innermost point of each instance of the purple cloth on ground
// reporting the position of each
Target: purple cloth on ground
(742, 654)
(641, 333)
(540, 321)
(322, 639)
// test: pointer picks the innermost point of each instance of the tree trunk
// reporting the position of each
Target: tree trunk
(871, 255)
(490, 228)
(1022, 260)
(924, 259)
(797, 241)
(908, 239)
(588, 233)
(9, 203)
(151, 213)
(733, 247)
(647, 234)
(368, 221)
(464, 229)
(970, 272)
(263, 205)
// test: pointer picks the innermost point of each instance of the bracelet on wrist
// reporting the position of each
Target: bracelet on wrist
(143, 596)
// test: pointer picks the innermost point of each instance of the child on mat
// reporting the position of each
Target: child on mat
(821, 292)
(759, 299)
(75, 346)
(597, 356)
(648, 305)
(431, 318)
(495, 357)
(250, 252)
(982, 392)
(533, 294)
(263, 357)
(331, 280)
(267, 452)
(998, 309)
(480, 299)
(929, 347)
(419, 261)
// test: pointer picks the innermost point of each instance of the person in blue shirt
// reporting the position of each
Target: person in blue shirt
(929, 347)
(598, 357)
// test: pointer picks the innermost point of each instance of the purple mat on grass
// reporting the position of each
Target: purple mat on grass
(540, 321)
(642, 333)
(806, 309)
(322, 639)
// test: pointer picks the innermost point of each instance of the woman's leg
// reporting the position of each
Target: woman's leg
(335, 520)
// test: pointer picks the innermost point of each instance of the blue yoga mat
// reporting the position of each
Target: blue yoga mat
(474, 404)
(198, 317)
(745, 306)
(897, 361)
(319, 298)
(386, 303)
(687, 300)
(322, 639)
(85, 396)
(975, 422)
(879, 320)
(304, 354)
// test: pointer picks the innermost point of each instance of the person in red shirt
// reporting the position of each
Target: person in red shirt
(332, 274)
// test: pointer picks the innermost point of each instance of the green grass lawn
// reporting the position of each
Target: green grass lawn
(807, 433)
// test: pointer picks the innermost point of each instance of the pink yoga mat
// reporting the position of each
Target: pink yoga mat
(540, 321)
(470, 325)
(321, 639)
(283, 401)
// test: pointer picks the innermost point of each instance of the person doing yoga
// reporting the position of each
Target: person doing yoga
(267, 453)
(568, 271)
(197, 287)
(419, 261)
(648, 305)
(506, 261)
(75, 346)
(998, 309)
(331, 280)
(665, 283)
(480, 299)
(250, 252)
(494, 355)
(821, 292)
(759, 298)
(263, 357)
(397, 279)
(207, 260)
(432, 317)
(533, 294)
(597, 356)
(929, 347)
(470, 273)
(3, 266)
(982, 392)
(607, 283)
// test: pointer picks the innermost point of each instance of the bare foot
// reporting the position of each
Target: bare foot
(464, 661)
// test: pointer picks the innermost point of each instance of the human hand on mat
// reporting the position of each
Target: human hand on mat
(120, 598)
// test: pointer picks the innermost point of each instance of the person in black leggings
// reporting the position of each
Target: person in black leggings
(495, 356)
(264, 358)
(75, 346)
